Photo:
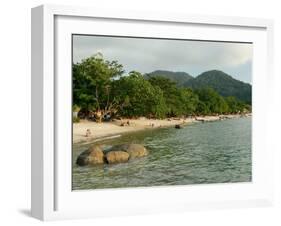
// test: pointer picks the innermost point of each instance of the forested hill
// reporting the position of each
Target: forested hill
(223, 83)
(179, 78)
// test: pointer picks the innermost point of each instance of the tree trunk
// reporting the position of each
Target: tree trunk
(99, 116)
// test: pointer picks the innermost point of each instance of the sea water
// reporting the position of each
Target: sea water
(199, 153)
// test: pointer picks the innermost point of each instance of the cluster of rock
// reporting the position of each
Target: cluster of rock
(117, 154)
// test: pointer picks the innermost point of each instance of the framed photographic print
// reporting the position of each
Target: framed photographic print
(137, 112)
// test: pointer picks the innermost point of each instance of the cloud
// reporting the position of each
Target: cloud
(146, 55)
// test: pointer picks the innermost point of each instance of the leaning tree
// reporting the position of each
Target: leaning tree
(92, 80)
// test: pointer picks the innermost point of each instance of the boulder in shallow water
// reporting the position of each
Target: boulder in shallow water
(116, 154)
(117, 157)
(119, 147)
(93, 156)
(178, 126)
(136, 151)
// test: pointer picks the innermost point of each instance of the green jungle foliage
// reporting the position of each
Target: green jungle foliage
(221, 82)
(224, 84)
(101, 90)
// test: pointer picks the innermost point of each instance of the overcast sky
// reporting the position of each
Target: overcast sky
(147, 55)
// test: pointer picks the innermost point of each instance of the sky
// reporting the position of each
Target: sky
(146, 55)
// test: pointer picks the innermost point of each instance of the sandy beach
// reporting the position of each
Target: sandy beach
(107, 130)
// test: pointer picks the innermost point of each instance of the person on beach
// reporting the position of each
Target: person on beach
(88, 133)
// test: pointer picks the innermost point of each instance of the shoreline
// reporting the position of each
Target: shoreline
(113, 129)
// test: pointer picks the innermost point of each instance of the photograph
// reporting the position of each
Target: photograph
(150, 111)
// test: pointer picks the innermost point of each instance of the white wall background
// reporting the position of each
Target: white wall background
(15, 112)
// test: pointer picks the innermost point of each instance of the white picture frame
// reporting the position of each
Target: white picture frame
(52, 198)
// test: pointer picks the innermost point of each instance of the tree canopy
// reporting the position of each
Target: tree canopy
(101, 88)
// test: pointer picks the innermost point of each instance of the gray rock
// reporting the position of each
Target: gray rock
(136, 151)
(117, 157)
(178, 126)
(93, 156)
(119, 147)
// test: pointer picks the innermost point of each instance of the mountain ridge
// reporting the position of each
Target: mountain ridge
(220, 81)
(178, 77)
